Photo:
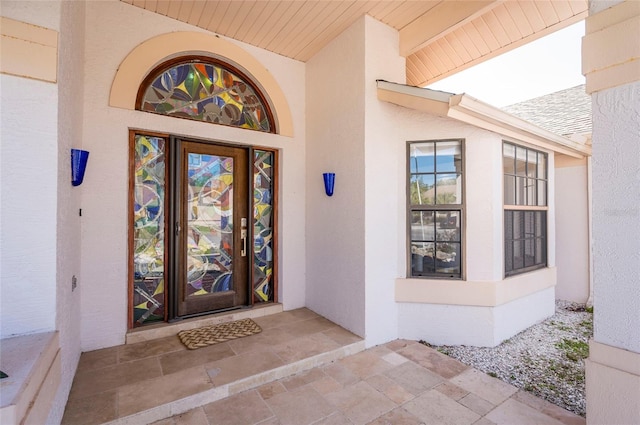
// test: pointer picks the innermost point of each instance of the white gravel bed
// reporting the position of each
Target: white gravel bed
(547, 359)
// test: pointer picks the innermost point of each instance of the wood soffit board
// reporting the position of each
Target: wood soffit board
(437, 37)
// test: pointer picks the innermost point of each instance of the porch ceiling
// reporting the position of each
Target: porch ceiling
(437, 37)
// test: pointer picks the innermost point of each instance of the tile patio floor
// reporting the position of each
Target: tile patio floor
(302, 369)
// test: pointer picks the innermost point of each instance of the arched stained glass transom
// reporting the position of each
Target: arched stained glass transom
(203, 89)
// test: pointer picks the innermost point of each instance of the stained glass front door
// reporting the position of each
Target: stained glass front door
(191, 251)
(212, 228)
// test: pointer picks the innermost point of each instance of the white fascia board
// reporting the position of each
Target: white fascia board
(439, 96)
(473, 111)
(425, 100)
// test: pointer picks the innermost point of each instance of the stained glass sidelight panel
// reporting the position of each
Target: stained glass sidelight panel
(209, 224)
(148, 229)
(206, 92)
(263, 162)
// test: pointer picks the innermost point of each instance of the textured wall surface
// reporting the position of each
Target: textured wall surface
(105, 134)
(616, 216)
(335, 114)
(572, 234)
(28, 176)
(471, 325)
(383, 195)
(70, 115)
(613, 366)
(29, 187)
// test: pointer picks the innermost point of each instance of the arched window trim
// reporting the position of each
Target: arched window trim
(164, 66)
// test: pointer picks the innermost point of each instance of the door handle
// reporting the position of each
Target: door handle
(243, 236)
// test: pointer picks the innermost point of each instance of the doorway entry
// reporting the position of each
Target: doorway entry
(211, 227)
(202, 227)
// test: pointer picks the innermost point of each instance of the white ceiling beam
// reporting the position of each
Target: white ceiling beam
(440, 20)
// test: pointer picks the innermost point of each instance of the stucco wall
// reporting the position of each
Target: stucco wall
(610, 64)
(483, 243)
(105, 135)
(450, 324)
(42, 13)
(29, 188)
(616, 216)
(483, 250)
(350, 235)
(29, 184)
(335, 143)
(572, 228)
(384, 194)
(70, 114)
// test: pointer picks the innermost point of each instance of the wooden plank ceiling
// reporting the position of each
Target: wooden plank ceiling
(437, 37)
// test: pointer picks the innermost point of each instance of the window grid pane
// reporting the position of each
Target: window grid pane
(436, 243)
(525, 240)
(448, 258)
(509, 159)
(435, 173)
(525, 176)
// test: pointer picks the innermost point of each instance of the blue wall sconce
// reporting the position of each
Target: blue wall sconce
(329, 182)
(79, 160)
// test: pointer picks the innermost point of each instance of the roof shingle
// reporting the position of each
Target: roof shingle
(565, 112)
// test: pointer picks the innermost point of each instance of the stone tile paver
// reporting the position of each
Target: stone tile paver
(401, 382)
(491, 389)
(451, 390)
(477, 404)
(272, 388)
(326, 385)
(381, 386)
(483, 421)
(185, 359)
(94, 381)
(361, 403)
(151, 348)
(303, 378)
(413, 378)
(365, 364)
(399, 344)
(395, 359)
(337, 418)
(390, 388)
(512, 412)
(244, 408)
(434, 361)
(301, 406)
(549, 409)
(340, 373)
(94, 409)
(164, 389)
(98, 359)
(304, 346)
(397, 416)
(433, 407)
(233, 368)
(270, 421)
(192, 417)
(341, 336)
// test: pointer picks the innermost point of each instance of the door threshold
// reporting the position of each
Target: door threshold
(164, 329)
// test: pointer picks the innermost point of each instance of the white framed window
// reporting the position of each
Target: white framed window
(525, 208)
(435, 208)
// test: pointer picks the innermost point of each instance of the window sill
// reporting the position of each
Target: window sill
(473, 293)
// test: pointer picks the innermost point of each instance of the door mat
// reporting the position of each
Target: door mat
(209, 335)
